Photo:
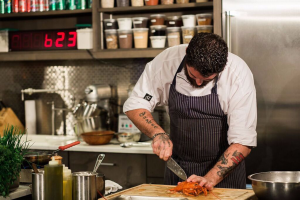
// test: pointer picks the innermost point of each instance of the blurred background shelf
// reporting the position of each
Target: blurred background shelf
(46, 13)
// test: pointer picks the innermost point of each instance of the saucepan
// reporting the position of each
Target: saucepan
(276, 185)
(42, 158)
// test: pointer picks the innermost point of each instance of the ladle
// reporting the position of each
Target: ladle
(98, 162)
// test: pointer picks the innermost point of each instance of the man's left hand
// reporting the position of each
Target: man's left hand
(203, 181)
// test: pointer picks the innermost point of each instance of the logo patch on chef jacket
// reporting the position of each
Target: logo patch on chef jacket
(148, 97)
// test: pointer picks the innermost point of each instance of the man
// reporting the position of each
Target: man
(211, 101)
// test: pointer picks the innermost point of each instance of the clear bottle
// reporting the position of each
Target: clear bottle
(67, 184)
(53, 175)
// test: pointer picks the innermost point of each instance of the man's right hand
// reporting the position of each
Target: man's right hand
(162, 146)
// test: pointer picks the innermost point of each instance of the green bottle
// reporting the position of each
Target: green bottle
(53, 176)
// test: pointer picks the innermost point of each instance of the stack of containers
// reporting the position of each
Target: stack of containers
(204, 22)
(173, 30)
(110, 29)
(158, 31)
(140, 32)
(188, 28)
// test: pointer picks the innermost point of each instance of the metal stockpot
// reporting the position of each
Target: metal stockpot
(84, 185)
(38, 185)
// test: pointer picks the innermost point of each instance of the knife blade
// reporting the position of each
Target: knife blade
(176, 169)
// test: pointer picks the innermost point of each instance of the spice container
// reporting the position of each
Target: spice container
(158, 30)
(188, 20)
(174, 21)
(167, 2)
(182, 1)
(140, 22)
(122, 3)
(204, 29)
(140, 37)
(125, 39)
(124, 23)
(204, 18)
(158, 41)
(173, 34)
(110, 24)
(151, 2)
(158, 19)
(136, 3)
(187, 34)
(111, 39)
(107, 3)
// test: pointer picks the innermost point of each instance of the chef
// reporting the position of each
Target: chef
(211, 101)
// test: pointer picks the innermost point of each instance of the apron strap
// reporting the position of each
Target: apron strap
(214, 89)
(178, 70)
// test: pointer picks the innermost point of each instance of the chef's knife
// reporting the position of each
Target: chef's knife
(174, 167)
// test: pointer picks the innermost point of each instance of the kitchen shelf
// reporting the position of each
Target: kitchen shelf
(45, 55)
(46, 13)
(161, 8)
(127, 53)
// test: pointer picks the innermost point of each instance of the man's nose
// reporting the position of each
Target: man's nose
(199, 82)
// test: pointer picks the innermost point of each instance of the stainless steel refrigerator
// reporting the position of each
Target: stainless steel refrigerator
(266, 34)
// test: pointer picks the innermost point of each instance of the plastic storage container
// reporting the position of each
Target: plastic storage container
(174, 21)
(173, 34)
(107, 3)
(110, 24)
(84, 38)
(158, 30)
(136, 3)
(158, 41)
(201, 1)
(125, 39)
(151, 2)
(188, 20)
(167, 2)
(158, 19)
(140, 22)
(140, 37)
(111, 39)
(204, 29)
(53, 176)
(187, 34)
(122, 3)
(124, 23)
(4, 41)
(182, 1)
(204, 19)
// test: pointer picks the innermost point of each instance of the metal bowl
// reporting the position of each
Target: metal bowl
(276, 185)
(97, 137)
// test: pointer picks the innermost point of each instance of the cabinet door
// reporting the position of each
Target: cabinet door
(128, 170)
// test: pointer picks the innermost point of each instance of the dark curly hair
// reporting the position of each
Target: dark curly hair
(207, 53)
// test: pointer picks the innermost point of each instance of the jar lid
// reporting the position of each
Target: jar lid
(109, 20)
(187, 16)
(122, 19)
(187, 27)
(124, 30)
(158, 37)
(173, 17)
(204, 15)
(110, 31)
(158, 27)
(158, 15)
(140, 18)
(173, 29)
(140, 29)
(202, 27)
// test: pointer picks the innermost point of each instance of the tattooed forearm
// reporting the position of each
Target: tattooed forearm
(148, 121)
(224, 171)
(164, 138)
(236, 158)
(224, 159)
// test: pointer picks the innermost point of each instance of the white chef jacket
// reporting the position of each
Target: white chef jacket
(235, 89)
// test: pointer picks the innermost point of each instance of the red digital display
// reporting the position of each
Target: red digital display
(43, 40)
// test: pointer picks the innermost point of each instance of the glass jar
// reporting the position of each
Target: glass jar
(158, 30)
(187, 34)
(140, 37)
(173, 34)
(111, 39)
(204, 29)
(125, 39)
(124, 23)
(110, 24)
(204, 19)
(174, 21)
(158, 19)
(140, 22)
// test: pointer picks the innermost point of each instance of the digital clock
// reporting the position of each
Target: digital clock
(43, 40)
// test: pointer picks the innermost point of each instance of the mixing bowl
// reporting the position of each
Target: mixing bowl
(276, 185)
(97, 137)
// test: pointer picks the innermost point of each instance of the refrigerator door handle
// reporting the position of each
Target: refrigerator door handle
(228, 29)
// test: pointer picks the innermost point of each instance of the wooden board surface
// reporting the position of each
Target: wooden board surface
(163, 191)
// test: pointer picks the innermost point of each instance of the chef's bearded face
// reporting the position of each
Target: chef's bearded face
(192, 79)
(207, 53)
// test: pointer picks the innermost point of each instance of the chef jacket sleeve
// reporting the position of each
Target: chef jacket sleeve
(147, 92)
(242, 112)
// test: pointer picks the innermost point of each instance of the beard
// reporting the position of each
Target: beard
(193, 81)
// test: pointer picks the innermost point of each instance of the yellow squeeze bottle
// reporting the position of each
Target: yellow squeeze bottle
(67, 184)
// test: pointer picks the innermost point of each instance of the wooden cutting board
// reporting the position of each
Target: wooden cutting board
(163, 191)
(8, 117)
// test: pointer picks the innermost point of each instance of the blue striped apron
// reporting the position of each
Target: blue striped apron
(199, 135)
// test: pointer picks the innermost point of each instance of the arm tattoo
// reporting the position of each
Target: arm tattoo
(148, 121)
(236, 158)
(164, 139)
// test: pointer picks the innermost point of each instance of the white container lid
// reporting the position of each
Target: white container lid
(158, 27)
(124, 31)
(157, 37)
(124, 19)
(205, 15)
(187, 16)
(204, 27)
(158, 16)
(109, 20)
(188, 27)
(140, 18)
(173, 17)
(140, 29)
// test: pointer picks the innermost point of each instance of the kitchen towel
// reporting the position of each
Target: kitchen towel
(30, 117)
(111, 186)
